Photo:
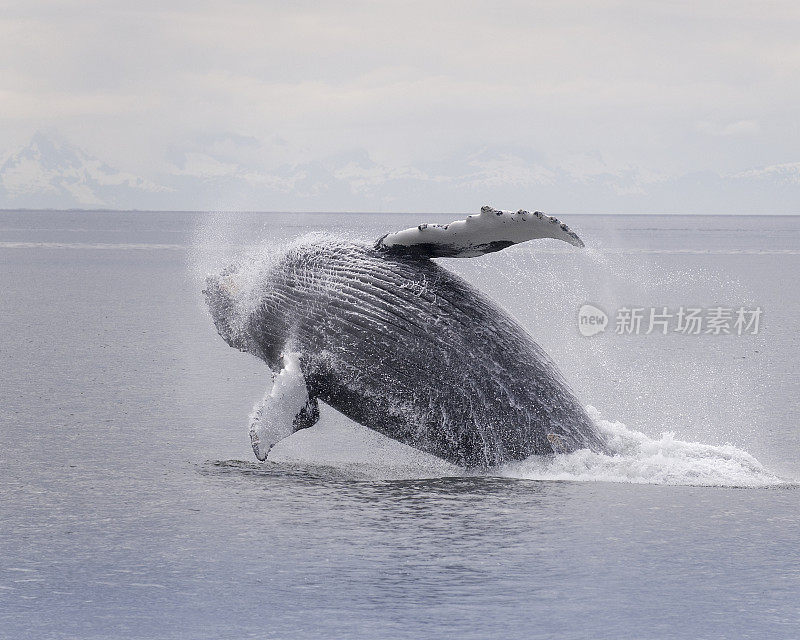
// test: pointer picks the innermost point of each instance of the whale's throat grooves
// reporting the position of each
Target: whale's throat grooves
(409, 349)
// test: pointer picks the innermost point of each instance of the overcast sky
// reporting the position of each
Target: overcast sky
(662, 88)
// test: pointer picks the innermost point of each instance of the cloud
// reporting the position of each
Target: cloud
(739, 128)
(248, 87)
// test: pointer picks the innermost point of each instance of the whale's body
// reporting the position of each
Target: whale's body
(403, 346)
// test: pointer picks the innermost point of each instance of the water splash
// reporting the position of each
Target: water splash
(639, 459)
(337, 443)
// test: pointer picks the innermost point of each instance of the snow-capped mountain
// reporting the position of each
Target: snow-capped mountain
(49, 173)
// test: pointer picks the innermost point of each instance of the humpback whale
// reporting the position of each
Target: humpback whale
(398, 343)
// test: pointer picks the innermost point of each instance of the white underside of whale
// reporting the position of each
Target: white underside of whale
(272, 418)
(481, 233)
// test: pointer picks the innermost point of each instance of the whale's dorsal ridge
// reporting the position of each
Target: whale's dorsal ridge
(490, 230)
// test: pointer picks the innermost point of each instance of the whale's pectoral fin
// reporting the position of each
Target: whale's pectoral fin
(285, 408)
(491, 230)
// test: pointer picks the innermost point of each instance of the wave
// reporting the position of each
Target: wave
(639, 459)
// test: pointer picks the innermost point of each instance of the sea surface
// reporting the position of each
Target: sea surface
(131, 505)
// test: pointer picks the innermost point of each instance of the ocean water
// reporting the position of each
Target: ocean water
(131, 505)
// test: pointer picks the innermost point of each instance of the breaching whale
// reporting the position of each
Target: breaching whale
(398, 343)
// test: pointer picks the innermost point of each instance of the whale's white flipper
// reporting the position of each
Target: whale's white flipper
(283, 410)
(491, 230)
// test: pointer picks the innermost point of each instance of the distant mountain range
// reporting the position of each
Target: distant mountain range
(51, 174)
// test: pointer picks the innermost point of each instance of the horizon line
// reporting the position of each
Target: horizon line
(342, 212)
